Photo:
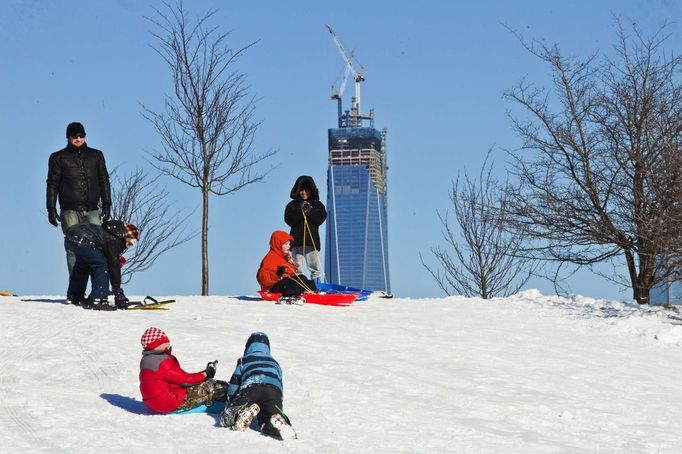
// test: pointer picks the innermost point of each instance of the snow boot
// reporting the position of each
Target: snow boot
(245, 416)
(278, 427)
(98, 305)
(295, 300)
(75, 300)
(239, 417)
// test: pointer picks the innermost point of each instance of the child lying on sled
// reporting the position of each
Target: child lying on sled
(255, 389)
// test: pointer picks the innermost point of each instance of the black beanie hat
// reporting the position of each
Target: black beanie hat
(74, 128)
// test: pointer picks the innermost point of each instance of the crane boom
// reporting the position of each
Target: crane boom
(355, 116)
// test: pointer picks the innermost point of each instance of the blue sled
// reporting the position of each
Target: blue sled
(217, 407)
(336, 288)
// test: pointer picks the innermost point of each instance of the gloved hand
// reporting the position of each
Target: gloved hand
(53, 217)
(281, 270)
(211, 369)
(306, 207)
(120, 300)
(106, 213)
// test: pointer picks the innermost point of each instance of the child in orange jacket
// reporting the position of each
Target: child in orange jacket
(277, 271)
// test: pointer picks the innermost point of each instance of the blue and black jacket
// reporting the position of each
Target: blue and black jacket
(256, 367)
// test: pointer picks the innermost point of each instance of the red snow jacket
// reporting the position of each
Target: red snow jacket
(267, 272)
(163, 382)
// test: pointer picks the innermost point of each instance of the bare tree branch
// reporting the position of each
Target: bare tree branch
(207, 127)
(599, 168)
(487, 262)
(137, 199)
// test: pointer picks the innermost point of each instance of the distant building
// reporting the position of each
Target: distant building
(357, 232)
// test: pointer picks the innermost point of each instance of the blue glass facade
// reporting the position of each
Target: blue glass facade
(356, 234)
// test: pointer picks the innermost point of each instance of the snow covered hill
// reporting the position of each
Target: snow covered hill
(525, 374)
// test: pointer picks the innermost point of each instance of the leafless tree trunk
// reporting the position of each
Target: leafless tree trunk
(138, 200)
(207, 128)
(486, 263)
(603, 176)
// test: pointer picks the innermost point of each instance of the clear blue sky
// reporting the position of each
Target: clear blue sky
(436, 72)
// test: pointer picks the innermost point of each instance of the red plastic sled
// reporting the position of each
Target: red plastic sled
(327, 299)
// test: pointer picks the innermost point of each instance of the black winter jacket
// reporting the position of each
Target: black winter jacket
(293, 214)
(79, 177)
(110, 242)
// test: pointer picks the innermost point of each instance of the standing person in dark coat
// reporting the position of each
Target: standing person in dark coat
(305, 214)
(256, 389)
(77, 176)
(97, 249)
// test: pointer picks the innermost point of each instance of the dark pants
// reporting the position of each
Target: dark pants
(267, 397)
(91, 262)
(294, 285)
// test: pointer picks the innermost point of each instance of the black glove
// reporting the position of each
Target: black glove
(211, 369)
(280, 270)
(120, 300)
(106, 213)
(306, 207)
(53, 217)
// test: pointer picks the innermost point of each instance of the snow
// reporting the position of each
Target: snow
(528, 373)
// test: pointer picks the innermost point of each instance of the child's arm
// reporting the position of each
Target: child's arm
(173, 373)
(235, 380)
(317, 214)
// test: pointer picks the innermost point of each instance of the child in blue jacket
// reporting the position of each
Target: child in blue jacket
(256, 389)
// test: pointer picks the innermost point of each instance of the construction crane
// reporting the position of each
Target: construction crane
(354, 117)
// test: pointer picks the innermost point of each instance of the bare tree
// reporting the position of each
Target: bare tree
(486, 263)
(137, 199)
(207, 128)
(599, 168)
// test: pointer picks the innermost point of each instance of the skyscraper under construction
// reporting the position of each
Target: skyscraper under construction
(357, 242)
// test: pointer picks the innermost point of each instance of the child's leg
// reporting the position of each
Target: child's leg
(238, 404)
(99, 270)
(199, 394)
(270, 402)
(299, 258)
(78, 280)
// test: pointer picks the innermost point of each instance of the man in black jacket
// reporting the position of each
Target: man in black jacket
(78, 176)
(305, 214)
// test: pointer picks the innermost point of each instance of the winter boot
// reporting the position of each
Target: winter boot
(279, 427)
(295, 300)
(245, 415)
(75, 300)
(101, 305)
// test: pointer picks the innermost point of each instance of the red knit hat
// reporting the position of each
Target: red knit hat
(152, 338)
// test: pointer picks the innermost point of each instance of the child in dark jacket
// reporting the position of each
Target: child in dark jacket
(166, 387)
(256, 389)
(305, 214)
(98, 251)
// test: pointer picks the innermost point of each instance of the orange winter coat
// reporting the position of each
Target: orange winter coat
(267, 273)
